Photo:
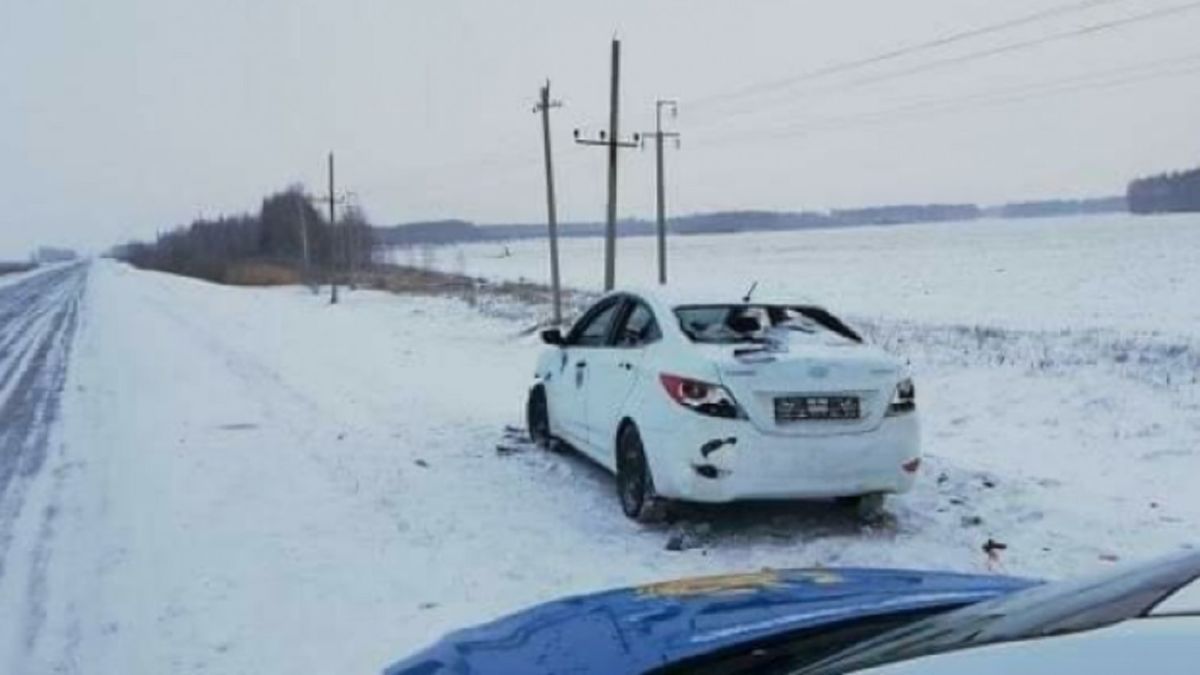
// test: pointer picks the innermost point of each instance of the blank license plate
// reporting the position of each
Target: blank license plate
(801, 408)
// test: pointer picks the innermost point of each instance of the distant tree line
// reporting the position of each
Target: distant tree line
(1166, 193)
(456, 231)
(52, 254)
(1051, 208)
(287, 233)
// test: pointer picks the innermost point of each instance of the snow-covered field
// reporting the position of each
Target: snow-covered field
(1121, 272)
(253, 481)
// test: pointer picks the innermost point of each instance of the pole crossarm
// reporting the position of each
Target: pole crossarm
(619, 144)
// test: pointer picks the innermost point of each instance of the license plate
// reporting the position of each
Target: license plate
(804, 408)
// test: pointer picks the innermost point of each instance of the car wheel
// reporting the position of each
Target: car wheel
(537, 419)
(635, 485)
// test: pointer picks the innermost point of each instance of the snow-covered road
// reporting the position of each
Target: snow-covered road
(38, 316)
(254, 481)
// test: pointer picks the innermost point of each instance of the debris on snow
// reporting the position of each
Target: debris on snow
(689, 536)
(992, 548)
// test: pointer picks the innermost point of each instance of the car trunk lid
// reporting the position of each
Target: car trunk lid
(815, 374)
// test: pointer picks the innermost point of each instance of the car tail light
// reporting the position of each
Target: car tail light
(904, 399)
(703, 397)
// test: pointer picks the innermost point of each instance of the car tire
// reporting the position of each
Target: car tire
(537, 419)
(635, 484)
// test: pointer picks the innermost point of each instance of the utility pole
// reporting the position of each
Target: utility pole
(333, 199)
(659, 135)
(612, 142)
(543, 106)
(333, 294)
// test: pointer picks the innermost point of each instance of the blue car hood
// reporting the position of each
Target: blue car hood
(635, 629)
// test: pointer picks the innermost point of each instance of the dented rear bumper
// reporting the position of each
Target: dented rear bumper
(707, 460)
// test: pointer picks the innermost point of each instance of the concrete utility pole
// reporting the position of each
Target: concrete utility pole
(612, 142)
(659, 135)
(543, 106)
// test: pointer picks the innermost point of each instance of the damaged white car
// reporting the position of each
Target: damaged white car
(710, 400)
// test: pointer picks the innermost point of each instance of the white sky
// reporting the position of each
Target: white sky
(122, 117)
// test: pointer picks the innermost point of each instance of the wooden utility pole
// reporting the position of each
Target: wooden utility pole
(333, 229)
(612, 142)
(659, 135)
(543, 106)
(337, 237)
(332, 199)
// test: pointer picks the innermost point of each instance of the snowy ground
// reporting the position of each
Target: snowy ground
(1118, 272)
(253, 481)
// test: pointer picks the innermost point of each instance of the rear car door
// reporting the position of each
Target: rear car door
(568, 400)
(614, 371)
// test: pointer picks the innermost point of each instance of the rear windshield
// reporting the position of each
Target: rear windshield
(733, 324)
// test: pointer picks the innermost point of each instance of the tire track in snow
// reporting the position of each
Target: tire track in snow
(39, 316)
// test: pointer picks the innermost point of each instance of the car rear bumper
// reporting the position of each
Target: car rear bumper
(765, 466)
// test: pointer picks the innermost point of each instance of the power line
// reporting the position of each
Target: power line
(1094, 81)
(500, 159)
(1083, 31)
(935, 43)
(1035, 42)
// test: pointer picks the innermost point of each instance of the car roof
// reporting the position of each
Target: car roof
(671, 297)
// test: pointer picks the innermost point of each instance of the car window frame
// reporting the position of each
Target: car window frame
(820, 315)
(599, 308)
(631, 305)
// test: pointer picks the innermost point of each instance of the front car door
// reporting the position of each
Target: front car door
(613, 371)
(569, 400)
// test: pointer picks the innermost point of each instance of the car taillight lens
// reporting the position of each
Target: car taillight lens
(703, 397)
(904, 400)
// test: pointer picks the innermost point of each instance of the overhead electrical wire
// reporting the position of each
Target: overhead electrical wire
(1134, 74)
(1078, 32)
(935, 43)
(498, 159)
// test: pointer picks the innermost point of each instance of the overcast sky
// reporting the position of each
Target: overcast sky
(123, 117)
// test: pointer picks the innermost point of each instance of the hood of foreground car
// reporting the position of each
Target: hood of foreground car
(635, 629)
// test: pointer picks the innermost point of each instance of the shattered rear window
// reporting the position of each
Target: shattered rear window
(737, 324)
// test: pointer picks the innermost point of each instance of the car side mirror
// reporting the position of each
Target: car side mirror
(553, 336)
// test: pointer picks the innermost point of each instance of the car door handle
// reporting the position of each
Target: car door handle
(581, 364)
(626, 365)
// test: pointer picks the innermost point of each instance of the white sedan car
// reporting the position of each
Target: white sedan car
(716, 400)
